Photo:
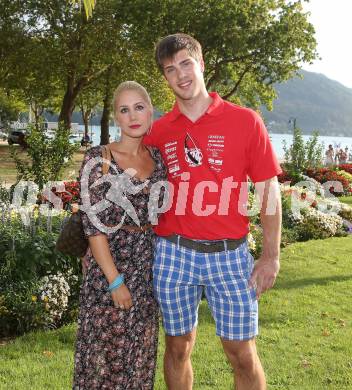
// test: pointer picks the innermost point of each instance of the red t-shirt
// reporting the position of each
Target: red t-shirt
(205, 160)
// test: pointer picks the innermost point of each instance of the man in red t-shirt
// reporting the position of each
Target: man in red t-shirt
(211, 147)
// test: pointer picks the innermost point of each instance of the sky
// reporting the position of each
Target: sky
(332, 20)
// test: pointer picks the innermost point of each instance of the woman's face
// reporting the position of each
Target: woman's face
(133, 114)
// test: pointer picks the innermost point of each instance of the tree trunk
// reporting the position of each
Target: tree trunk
(67, 107)
(85, 118)
(68, 103)
(37, 112)
(105, 117)
(105, 120)
(86, 127)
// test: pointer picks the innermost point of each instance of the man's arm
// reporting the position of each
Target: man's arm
(268, 265)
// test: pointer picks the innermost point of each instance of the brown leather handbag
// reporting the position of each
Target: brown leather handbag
(72, 240)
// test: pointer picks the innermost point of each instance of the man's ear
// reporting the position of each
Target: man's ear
(202, 65)
(166, 80)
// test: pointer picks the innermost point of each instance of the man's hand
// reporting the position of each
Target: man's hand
(264, 274)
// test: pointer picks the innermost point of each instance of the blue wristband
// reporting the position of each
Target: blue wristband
(117, 282)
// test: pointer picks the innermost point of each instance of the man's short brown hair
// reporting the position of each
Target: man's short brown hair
(167, 47)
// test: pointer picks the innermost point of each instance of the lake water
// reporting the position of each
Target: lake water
(340, 142)
(94, 133)
(276, 139)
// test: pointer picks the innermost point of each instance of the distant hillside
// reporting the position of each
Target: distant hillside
(316, 102)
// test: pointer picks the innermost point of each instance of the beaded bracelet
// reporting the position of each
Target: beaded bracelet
(117, 282)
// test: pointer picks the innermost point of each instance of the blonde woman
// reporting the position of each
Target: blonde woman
(118, 321)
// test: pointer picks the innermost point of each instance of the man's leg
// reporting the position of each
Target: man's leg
(248, 370)
(235, 310)
(177, 361)
(176, 281)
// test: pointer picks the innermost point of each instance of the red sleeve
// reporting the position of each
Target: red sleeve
(148, 140)
(262, 160)
(151, 138)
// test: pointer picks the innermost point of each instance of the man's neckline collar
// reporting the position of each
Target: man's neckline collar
(215, 107)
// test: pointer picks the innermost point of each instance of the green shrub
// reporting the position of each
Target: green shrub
(27, 257)
(346, 212)
(286, 209)
(255, 240)
(29, 251)
(309, 222)
(4, 195)
(288, 236)
(44, 303)
(317, 225)
(46, 158)
(20, 311)
(301, 155)
(253, 206)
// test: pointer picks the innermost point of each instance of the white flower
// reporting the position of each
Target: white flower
(55, 290)
(251, 241)
(330, 223)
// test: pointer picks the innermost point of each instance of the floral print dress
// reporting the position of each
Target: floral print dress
(116, 349)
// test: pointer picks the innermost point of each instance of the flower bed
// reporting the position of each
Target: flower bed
(346, 175)
(323, 175)
(70, 193)
(346, 168)
(39, 286)
(306, 215)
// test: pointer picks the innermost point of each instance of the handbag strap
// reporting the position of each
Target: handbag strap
(107, 159)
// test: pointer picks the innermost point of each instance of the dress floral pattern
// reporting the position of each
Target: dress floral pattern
(116, 349)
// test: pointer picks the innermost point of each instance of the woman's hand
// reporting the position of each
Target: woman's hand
(84, 263)
(122, 297)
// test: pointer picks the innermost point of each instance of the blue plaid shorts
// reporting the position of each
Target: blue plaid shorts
(180, 275)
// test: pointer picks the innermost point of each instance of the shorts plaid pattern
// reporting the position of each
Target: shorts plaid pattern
(181, 274)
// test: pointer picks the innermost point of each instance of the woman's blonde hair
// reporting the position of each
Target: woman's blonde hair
(131, 86)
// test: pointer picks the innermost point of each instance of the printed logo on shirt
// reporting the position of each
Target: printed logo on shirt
(193, 155)
(215, 150)
(171, 158)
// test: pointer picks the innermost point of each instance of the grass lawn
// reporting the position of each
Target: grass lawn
(8, 168)
(305, 334)
(346, 199)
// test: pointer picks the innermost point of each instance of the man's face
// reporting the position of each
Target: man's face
(184, 75)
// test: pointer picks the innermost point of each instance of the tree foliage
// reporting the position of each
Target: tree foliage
(88, 6)
(247, 46)
(10, 107)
